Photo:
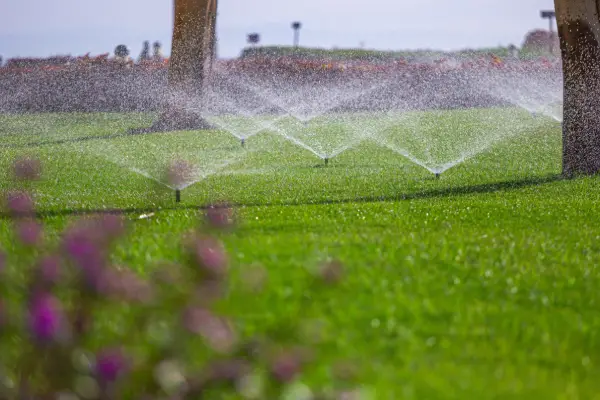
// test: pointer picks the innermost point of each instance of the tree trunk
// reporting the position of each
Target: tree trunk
(192, 52)
(579, 31)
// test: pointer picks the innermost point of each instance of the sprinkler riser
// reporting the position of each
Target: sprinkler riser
(177, 196)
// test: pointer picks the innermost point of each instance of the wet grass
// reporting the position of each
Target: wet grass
(482, 284)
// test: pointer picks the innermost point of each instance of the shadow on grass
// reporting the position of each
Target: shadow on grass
(97, 137)
(427, 194)
(69, 140)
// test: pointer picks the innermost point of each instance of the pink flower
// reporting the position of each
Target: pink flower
(29, 232)
(210, 255)
(82, 245)
(3, 317)
(228, 370)
(45, 317)
(220, 216)
(49, 269)
(286, 367)
(27, 169)
(2, 261)
(126, 286)
(19, 203)
(111, 364)
(217, 331)
(111, 226)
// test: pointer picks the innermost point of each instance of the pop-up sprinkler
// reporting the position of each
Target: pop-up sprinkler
(437, 175)
(177, 196)
(326, 160)
(243, 142)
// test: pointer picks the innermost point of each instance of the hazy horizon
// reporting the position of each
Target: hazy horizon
(70, 27)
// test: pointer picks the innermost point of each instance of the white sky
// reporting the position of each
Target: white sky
(45, 27)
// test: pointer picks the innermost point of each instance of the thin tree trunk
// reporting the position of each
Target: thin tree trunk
(578, 28)
(192, 51)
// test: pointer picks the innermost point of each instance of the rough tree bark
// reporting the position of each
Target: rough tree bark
(579, 31)
(192, 52)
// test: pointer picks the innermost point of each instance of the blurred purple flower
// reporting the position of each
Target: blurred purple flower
(126, 286)
(228, 370)
(111, 226)
(78, 244)
(2, 261)
(3, 317)
(355, 394)
(286, 366)
(19, 203)
(111, 364)
(217, 331)
(90, 235)
(27, 168)
(49, 269)
(180, 172)
(210, 255)
(220, 216)
(82, 245)
(46, 317)
(29, 232)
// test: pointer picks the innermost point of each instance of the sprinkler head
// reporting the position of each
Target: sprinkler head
(326, 160)
(243, 142)
(437, 175)
(177, 196)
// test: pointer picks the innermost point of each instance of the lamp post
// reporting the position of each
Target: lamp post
(296, 27)
(253, 39)
(550, 15)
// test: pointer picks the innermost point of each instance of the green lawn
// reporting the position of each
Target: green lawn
(482, 284)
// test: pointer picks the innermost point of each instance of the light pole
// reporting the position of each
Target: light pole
(253, 39)
(296, 27)
(551, 16)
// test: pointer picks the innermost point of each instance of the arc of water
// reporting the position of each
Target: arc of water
(264, 94)
(464, 156)
(515, 96)
(356, 138)
(276, 100)
(298, 142)
(214, 171)
(340, 100)
(262, 125)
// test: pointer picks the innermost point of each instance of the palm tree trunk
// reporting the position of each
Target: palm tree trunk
(192, 52)
(579, 31)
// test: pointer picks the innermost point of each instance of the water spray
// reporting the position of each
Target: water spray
(177, 196)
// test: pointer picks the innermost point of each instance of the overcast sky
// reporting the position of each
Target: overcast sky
(46, 27)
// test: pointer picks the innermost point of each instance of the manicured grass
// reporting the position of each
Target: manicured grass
(482, 284)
